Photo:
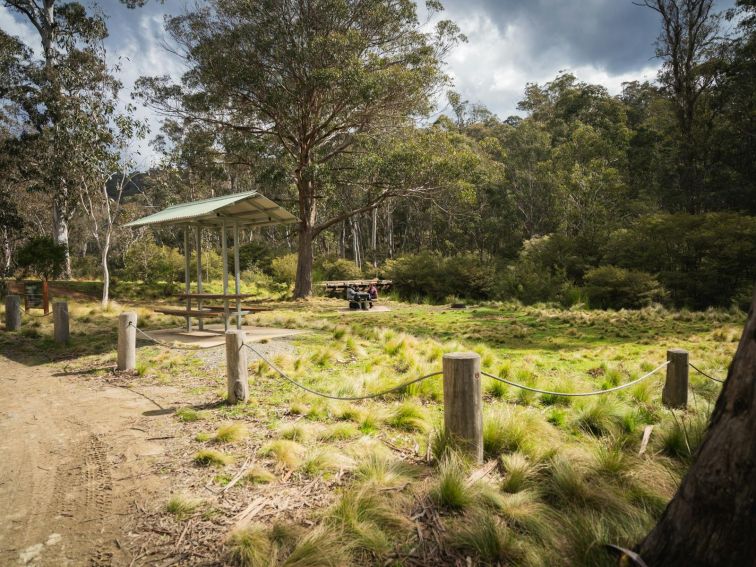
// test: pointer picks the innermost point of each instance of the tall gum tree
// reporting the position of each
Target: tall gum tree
(311, 77)
(43, 91)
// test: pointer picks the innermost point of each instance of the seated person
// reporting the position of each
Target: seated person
(373, 293)
(357, 299)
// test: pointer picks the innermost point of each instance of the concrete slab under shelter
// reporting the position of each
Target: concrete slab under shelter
(214, 335)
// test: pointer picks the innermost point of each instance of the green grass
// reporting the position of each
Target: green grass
(487, 538)
(518, 472)
(368, 520)
(569, 478)
(409, 417)
(451, 490)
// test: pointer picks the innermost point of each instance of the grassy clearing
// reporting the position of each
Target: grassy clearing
(568, 477)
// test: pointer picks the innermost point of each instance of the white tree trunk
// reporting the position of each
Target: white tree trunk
(105, 273)
(60, 233)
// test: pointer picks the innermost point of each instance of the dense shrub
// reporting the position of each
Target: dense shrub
(702, 260)
(284, 268)
(148, 262)
(254, 256)
(433, 276)
(42, 257)
(338, 269)
(540, 273)
(616, 288)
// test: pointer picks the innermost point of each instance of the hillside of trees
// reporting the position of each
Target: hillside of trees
(585, 197)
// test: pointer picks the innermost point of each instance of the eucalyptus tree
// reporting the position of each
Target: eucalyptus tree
(46, 92)
(688, 45)
(310, 78)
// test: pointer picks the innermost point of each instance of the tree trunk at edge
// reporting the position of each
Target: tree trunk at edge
(712, 518)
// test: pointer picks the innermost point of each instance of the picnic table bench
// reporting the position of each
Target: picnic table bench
(225, 311)
(339, 287)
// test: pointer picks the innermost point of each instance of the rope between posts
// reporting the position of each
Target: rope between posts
(704, 373)
(577, 394)
(168, 345)
(342, 398)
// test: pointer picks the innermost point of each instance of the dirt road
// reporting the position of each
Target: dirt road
(75, 464)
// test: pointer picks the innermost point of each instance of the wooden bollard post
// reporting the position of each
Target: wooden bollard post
(236, 367)
(127, 341)
(60, 322)
(463, 401)
(675, 392)
(12, 312)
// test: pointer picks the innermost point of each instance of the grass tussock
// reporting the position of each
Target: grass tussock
(323, 461)
(519, 472)
(451, 490)
(210, 457)
(251, 547)
(385, 471)
(409, 417)
(487, 538)
(370, 521)
(288, 454)
(682, 434)
(259, 475)
(602, 415)
(231, 433)
(339, 432)
(182, 507)
(189, 414)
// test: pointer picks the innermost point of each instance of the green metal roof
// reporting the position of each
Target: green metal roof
(248, 209)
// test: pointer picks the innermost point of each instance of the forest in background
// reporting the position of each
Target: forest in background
(613, 201)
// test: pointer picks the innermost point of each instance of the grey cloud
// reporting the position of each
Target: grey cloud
(612, 34)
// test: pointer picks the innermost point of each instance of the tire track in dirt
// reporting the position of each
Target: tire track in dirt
(62, 449)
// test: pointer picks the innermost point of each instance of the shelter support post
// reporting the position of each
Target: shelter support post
(187, 278)
(224, 252)
(200, 322)
(237, 277)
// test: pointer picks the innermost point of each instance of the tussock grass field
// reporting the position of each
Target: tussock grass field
(567, 476)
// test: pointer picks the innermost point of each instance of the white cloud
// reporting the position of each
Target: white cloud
(494, 66)
(13, 25)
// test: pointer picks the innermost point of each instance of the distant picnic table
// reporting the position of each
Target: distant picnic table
(338, 288)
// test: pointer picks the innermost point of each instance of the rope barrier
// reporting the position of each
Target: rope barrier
(342, 398)
(169, 345)
(30, 314)
(704, 373)
(577, 394)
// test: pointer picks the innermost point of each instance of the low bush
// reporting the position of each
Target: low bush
(436, 277)
(338, 269)
(609, 287)
(284, 268)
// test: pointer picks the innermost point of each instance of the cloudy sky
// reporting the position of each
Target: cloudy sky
(510, 43)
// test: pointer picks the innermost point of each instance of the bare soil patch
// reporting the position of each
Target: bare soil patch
(76, 464)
